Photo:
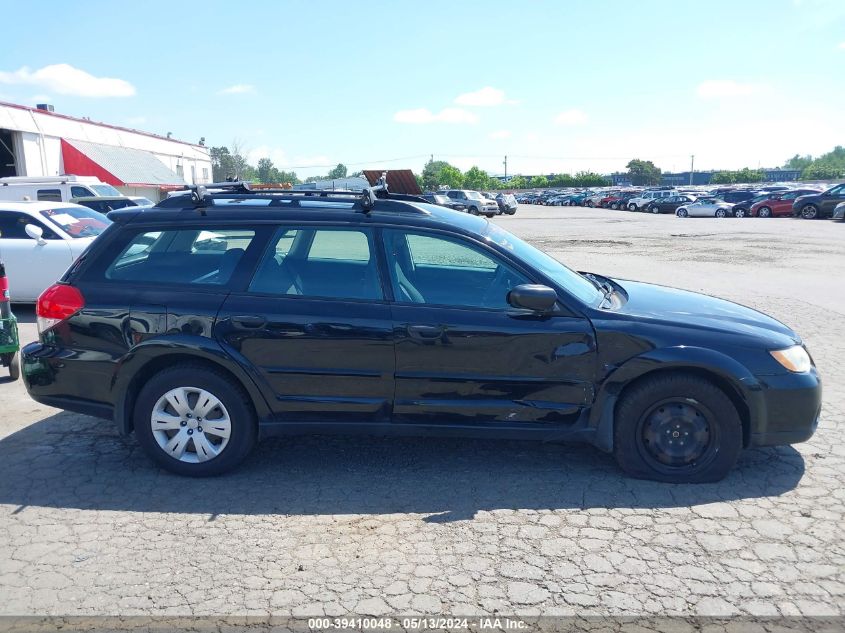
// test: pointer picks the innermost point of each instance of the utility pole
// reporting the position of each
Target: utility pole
(691, 168)
(506, 168)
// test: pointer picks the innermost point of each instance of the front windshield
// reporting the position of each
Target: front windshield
(441, 199)
(566, 278)
(105, 190)
(78, 221)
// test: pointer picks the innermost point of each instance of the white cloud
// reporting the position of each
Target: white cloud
(421, 116)
(571, 117)
(485, 97)
(725, 88)
(238, 89)
(500, 134)
(841, 46)
(136, 120)
(64, 79)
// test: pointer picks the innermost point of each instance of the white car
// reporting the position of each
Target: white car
(705, 208)
(647, 197)
(40, 240)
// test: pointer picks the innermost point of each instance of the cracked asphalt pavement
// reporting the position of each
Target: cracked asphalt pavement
(372, 526)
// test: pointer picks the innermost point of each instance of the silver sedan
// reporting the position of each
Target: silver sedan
(705, 208)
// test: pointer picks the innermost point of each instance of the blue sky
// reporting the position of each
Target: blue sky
(558, 86)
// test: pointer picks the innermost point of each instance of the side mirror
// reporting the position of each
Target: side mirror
(533, 297)
(36, 233)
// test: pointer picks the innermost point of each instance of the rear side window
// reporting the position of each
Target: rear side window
(320, 262)
(185, 256)
(50, 195)
(80, 192)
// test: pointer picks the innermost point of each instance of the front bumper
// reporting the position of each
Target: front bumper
(788, 409)
(839, 214)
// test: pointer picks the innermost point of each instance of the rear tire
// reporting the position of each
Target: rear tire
(721, 213)
(236, 407)
(677, 428)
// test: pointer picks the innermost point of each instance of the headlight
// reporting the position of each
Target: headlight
(795, 359)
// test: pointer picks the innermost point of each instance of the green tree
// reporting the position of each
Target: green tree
(562, 180)
(820, 170)
(723, 178)
(476, 178)
(643, 172)
(516, 182)
(265, 171)
(222, 166)
(451, 177)
(282, 177)
(337, 173)
(539, 181)
(745, 175)
(433, 175)
(589, 179)
(798, 162)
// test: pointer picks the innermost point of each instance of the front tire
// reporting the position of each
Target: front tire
(810, 212)
(677, 428)
(739, 213)
(764, 212)
(194, 421)
(632, 207)
(682, 213)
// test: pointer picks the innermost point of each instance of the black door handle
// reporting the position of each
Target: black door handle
(250, 321)
(426, 332)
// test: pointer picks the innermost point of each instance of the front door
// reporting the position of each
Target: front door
(31, 266)
(314, 327)
(464, 355)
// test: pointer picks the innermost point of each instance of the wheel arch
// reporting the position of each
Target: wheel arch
(738, 384)
(147, 360)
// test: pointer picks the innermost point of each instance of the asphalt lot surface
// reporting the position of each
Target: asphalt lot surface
(341, 526)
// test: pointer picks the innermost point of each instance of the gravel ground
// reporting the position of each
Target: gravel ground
(340, 526)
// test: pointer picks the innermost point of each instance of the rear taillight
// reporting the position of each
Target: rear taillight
(56, 304)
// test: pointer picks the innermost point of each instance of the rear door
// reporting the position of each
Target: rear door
(314, 326)
(464, 356)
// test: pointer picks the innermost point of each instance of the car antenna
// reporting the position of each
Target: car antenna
(368, 200)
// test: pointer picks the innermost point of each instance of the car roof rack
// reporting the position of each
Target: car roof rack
(203, 196)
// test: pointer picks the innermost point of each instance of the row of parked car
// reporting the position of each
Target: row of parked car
(474, 202)
(766, 202)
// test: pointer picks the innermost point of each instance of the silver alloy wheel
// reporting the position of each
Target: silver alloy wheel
(191, 424)
(764, 212)
(739, 213)
(809, 212)
(681, 213)
(720, 213)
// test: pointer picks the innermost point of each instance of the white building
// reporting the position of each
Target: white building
(40, 142)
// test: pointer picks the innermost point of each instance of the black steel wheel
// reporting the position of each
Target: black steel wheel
(677, 428)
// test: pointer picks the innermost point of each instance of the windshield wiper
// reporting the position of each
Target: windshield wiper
(605, 286)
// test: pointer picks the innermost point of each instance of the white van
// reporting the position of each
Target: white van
(641, 201)
(53, 188)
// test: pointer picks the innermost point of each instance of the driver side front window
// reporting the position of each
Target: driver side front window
(437, 270)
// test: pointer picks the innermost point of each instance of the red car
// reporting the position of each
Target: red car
(779, 204)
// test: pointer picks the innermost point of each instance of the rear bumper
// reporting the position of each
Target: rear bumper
(789, 409)
(59, 378)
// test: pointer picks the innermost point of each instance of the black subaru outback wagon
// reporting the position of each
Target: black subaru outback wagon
(213, 319)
